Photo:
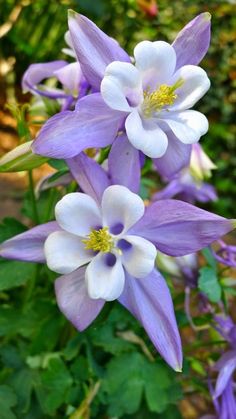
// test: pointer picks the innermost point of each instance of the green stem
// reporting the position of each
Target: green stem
(33, 198)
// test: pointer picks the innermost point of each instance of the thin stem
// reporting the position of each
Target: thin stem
(33, 198)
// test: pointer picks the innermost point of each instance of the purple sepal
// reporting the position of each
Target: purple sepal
(89, 175)
(226, 366)
(38, 72)
(66, 134)
(93, 48)
(124, 164)
(177, 228)
(176, 157)
(73, 300)
(188, 191)
(28, 246)
(149, 300)
(192, 42)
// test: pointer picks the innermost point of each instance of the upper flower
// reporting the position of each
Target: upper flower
(100, 236)
(157, 97)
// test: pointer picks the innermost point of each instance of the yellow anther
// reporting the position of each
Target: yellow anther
(164, 96)
(99, 241)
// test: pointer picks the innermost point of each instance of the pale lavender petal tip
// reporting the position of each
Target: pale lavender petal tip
(28, 246)
(73, 300)
(149, 300)
(90, 176)
(94, 49)
(192, 42)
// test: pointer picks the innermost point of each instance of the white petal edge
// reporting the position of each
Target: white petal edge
(195, 85)
(122, 81)
(103, 281)
(188, 126)
(146, 135)
(139, 260)
(121, 206)
(78, 213)
(65, 252)
(156, 61)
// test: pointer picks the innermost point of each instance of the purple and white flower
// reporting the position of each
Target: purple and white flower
(70, 76)
(99, 237)
(156, 97)
(151, 100)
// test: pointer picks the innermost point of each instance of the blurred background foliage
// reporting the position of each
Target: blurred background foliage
(111, 370)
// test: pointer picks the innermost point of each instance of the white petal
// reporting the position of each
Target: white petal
(65, 252)
(188, 126)
(139, 259)
(195, 85)
(78, 213)
(121, 87)
(121, 208)
(104, 281)
(156, 61)
(145, 135)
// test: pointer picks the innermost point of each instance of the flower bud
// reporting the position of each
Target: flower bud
(21, 158)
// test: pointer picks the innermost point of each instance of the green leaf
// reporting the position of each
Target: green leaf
(130, 376)
(208, 283)
(13, 274)
(10, 227)
(52, 386)
(7, 401)
(209, 258)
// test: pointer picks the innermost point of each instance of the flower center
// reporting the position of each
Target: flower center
(164, 96)
(99, 241)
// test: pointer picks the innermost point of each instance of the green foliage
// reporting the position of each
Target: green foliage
(130, 377)
(208, 283)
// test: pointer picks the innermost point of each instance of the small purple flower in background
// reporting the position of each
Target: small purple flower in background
(188, 189)
(188, 184)
(225, 254)
(70, 75)
(224, 397)
(166, 77)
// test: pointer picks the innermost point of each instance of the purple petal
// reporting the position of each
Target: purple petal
(90, 176)
(177, 228)
(66, 134)
(38, 72)
(149, 300)
(94, 49)
(28, 246)
(172, 189)
(124, 164)
(73, 300)
(226, 365)
(192, 43)
(176, 157)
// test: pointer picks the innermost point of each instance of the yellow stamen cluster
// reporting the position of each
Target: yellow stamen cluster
(99, 241)
(164, 96)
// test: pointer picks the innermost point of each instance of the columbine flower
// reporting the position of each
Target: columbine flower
(100, 237)
(151, 99)
(157, 97)
(173, 227)
(225, 254)
(69, 75)
(185, 187)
